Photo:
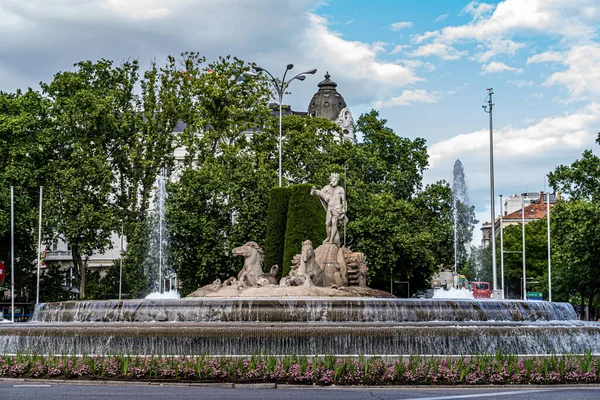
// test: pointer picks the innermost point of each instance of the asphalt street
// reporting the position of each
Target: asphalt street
(50, 391)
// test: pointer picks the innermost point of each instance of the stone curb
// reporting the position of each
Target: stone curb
(227, 385)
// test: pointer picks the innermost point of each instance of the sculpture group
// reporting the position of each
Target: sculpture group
(327, 266)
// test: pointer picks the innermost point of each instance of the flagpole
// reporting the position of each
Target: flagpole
(12, 254)
(37, 294)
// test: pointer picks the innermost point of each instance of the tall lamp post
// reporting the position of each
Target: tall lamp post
(488, 109)
(280, 87)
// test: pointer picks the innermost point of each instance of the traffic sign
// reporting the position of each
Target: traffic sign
(534, 295)
(2, 272)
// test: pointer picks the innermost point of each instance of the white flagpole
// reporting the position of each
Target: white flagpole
(12, 253)
(121, 263)
(549, 258)
(39, 256)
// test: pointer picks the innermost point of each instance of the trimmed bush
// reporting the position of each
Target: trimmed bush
(276, 223)
(305, 221)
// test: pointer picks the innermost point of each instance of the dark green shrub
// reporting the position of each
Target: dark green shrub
(305, 221)
(276, 223)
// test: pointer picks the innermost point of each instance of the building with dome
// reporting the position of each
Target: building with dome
(329, 104)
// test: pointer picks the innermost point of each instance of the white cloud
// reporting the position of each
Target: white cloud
(520, 83)
(547, 16)
(441, 50)
(396, 26)
(352, 58)
(440, 18)
(547, 56)
(42, 37)
(399, 48)
(408, 97)
(496, 66)
(552, 133)
(582, 76)
(499, 46)
(478, 10)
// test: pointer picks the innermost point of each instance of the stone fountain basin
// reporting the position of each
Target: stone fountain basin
(302, 309)
(304, 326)
(312, 338)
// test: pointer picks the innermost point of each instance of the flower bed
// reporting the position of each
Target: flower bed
(327, 370)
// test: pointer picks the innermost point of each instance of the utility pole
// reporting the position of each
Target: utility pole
(488, 109)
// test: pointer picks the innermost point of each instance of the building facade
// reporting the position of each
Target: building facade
(535, 208)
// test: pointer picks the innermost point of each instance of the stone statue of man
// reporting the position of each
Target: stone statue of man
(333, 198)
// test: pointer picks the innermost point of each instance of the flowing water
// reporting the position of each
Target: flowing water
(460, 204)
(162, 277)
(309, 326)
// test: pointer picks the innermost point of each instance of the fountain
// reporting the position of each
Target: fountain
(322, 307)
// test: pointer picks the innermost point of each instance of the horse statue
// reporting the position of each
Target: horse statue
(305, 269)
(252, 273)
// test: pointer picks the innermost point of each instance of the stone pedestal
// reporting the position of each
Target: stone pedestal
(331, 258)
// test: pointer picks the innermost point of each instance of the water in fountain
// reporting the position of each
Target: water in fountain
(309, 326)
(453, 293)
(162, 277)
(461, 212)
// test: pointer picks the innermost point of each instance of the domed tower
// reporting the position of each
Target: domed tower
(328, 103)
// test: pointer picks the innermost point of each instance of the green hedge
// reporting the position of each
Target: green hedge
(276, 223)
(305, 221)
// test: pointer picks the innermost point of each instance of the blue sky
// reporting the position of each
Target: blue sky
(424, 64)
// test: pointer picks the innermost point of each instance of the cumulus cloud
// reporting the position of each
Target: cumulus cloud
(547, 56)
(41, 38)
(478, 10)
(408, 97)
(354, 58)
(396, 26)
(547, 16)
(399, 48)
(553, 133)
(441, 50)
(496, 47)
(496, 67)
(582, 76)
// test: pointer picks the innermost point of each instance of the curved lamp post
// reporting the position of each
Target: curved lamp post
(280, 87)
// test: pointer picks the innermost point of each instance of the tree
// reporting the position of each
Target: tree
(404, 230)
(536, 257)
(86, 106)
(576, 247)
(580, 180)
(24, 160)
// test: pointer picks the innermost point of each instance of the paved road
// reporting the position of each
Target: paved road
(42, 391)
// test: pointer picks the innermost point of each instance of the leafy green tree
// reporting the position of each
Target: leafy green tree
(52, 282)
(24, 160)
(536, 257)
(580, 180)
(85, 108)
(575, 227)
(405, 230)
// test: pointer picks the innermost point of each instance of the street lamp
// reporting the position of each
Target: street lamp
(488, 109)
(280, 87)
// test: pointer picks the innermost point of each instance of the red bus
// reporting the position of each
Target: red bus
(481, 290)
